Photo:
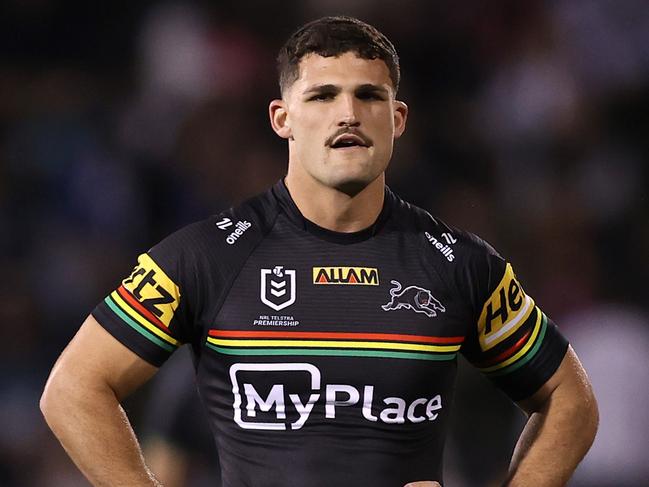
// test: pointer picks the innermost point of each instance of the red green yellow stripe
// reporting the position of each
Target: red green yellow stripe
(507, 353)
(139, 322)
(142, 331)
(332, 353)
(141, 309)
(525, 354)
(387, 345)
(394, 337)
(333, 343)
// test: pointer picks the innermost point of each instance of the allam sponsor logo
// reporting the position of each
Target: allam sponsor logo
(349, 276)
(445, 249)
(263, 401)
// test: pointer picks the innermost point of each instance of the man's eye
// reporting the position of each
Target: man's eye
(321, 97)
(369, 96)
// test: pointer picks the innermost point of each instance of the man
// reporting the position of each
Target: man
(324, 315)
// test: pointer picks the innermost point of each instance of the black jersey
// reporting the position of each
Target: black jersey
(326, 358)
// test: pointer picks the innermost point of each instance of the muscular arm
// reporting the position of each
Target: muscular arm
(81, 404)
(561, 427)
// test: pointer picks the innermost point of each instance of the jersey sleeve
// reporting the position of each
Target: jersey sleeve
(511, 340)
(150, 311)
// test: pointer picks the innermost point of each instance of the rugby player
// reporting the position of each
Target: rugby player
(324, 315)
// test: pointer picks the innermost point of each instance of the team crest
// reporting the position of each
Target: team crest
(277, 287)
(416, 298)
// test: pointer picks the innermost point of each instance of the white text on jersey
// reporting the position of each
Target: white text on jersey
(240, 229)
(445, 250)
(390, 410)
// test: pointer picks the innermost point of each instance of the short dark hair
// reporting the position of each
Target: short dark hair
(333, 36)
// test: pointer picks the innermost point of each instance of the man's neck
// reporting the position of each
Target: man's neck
(333, 209)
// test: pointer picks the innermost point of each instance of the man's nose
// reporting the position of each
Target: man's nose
(348, 114)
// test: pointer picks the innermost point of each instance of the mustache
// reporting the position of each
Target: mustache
(349, 130)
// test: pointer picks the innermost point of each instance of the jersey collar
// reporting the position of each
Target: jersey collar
(280, 191)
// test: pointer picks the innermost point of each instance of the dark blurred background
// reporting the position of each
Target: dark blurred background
(123, 121)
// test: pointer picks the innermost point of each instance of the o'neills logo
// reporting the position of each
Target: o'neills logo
(240, 228)
(358, 276)
(445, 249)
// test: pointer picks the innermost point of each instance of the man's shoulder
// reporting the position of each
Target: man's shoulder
(451, 241)
(230, 232)
(255, 216)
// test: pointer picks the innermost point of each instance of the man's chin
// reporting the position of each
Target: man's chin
(349, 178)
(352, 187)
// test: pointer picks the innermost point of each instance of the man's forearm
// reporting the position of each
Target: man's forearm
(94, 430)
(554, 441)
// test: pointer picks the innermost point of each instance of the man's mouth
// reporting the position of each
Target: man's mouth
(348, 140)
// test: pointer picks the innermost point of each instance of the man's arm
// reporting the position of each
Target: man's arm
(561, 427)
(81, 404)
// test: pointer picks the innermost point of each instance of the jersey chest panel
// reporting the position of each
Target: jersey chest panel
(315, 334)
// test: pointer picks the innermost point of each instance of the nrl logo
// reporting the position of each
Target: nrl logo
(277, 287)
(416, 298)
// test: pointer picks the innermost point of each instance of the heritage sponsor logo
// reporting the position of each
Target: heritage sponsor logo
(277, 287)
(152, 287)
(348, 276)
(504, 312)
(281, 396)
(444, 248)
(416, 298)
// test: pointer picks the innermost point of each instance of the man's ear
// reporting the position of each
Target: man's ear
(279, 118)
(400, 117)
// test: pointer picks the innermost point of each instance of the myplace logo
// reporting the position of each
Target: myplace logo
(282, 396)
(245, 415)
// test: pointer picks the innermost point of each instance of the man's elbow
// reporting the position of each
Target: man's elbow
(574, 394)
(54, 398)
(581, 413)
(589, 412)
(65, 393)
(44, 404)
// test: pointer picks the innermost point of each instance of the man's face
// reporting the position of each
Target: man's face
(341, 119)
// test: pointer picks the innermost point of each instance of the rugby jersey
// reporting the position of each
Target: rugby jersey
(327, 358)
